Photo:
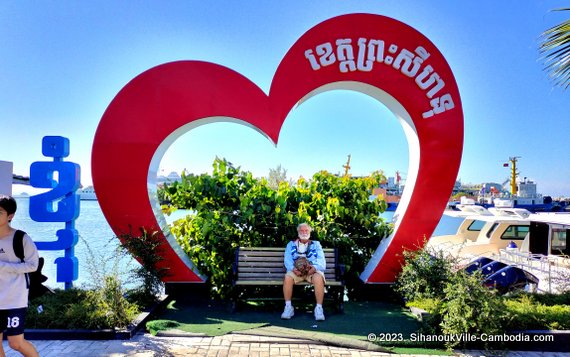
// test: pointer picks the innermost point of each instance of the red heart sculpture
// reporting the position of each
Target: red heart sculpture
(372, 54)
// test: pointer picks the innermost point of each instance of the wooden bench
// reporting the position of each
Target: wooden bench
(263, 266)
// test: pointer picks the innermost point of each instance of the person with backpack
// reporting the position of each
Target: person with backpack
(304, 260)
(14, 281)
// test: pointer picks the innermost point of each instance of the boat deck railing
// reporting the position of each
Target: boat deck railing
(550, 269)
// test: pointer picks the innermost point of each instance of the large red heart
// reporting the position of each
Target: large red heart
(372, 54)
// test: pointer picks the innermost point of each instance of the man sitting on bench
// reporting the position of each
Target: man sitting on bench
(305, 261)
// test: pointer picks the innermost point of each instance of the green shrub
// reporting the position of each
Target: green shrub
(424, 275)
(111, 305)
(526, 312)
(430, 322)
(146, 247)
(470, 308)
(549, 299)
(458, 302)
(82, 309)
(430, 305)
(106, 301)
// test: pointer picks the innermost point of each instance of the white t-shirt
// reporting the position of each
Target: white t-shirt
(13, 285)
(302, 247)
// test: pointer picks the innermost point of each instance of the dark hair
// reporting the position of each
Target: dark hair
(8, 203)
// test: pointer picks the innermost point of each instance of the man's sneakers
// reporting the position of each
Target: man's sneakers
(288, 313)
(319, 314)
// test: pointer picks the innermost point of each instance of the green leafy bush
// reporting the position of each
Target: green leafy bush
(82, 309)
(146, 247)
(526, 312)
(106, 301)
(550, 299)
(470, 308)
(458, 302)
(428, 304)
(424, 275)
(234, 209)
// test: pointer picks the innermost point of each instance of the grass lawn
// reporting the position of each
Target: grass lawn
(358, 321)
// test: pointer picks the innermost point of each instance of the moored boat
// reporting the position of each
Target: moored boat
(512, 245)
(87, 193)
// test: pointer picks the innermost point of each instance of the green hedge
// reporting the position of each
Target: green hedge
(82, 309)
(459, 303)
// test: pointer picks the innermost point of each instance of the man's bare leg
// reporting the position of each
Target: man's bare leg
(288, 283)
(2, 354)
(319, 284)
(18, 343)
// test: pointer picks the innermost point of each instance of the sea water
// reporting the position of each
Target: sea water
(97, 248)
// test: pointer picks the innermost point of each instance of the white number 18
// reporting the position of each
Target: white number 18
(13, 322)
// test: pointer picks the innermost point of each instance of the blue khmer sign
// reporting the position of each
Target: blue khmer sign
(60, 204)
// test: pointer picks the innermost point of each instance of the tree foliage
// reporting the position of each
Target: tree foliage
(231, 208)
(555, 50)
(276, 176)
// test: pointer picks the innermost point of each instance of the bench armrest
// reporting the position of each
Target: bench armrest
(235, 268)
(234, 273)
(339, 272)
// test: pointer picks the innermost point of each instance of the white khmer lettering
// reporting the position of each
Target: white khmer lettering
(362, 56)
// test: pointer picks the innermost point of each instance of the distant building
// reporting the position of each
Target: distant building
(390, 190)
(527, 188)
(170, 178)
(490, 187)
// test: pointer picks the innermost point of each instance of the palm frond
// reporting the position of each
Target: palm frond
(555, 52)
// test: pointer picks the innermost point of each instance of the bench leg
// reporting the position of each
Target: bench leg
(339, 299)
(234, 300)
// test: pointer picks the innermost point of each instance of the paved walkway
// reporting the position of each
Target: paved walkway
(244, 345)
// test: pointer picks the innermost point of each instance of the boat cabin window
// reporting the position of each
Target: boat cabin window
(515, 232)
(559, 243)
(476, 226)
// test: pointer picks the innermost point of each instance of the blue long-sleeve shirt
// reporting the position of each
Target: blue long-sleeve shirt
(314, 254)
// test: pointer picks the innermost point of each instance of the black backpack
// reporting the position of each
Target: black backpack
(34, 279)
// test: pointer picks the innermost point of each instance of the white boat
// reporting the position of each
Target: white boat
(483, 232)
(87, 193)
(535, 244)
(545, 252)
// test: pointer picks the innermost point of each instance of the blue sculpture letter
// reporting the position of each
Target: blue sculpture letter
(61, 204)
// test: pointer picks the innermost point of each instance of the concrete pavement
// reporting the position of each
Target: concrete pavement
(235, 344)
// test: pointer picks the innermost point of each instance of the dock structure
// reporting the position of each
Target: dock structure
(20, 180)
(7, 178)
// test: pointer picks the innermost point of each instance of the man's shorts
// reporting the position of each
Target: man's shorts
(308, 278)
(13, 321)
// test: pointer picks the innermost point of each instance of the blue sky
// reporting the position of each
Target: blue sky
(62, 62)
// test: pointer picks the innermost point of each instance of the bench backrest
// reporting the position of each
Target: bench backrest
(263, 264)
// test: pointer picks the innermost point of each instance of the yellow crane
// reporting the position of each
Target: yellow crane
(347, 166)
(514, 173)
